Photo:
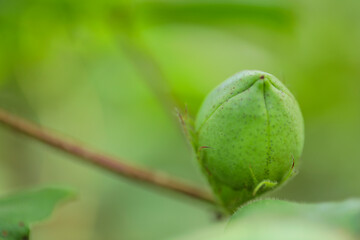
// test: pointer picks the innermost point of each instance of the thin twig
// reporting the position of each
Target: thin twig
(103, 161)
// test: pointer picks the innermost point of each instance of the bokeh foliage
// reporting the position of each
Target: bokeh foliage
(79, 67)
(277, 219)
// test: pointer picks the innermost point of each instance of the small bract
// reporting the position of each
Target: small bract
(249, 136)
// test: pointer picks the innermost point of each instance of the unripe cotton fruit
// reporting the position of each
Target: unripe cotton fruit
(249, 136)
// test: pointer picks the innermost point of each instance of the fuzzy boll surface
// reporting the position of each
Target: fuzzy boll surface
(249, 129)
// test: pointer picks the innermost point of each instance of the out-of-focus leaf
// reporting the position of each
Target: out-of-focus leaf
(283, 229)
(345, 215)
(218, 12)
(282, 220)
(18, 211)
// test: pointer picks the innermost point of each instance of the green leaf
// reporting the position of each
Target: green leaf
(282, 220)
(345, 215)
(20, 210)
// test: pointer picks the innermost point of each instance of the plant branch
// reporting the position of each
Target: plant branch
(106, 162)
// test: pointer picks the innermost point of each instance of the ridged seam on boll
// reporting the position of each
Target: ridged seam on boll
(221, 91)
(232, 80)
(262, 79)
(268, 156)
(219, 106)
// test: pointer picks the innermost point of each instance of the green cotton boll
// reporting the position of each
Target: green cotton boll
(249, 135)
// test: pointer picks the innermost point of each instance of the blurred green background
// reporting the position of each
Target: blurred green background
(110, 72)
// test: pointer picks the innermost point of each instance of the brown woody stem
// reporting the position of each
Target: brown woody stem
(109, 163)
